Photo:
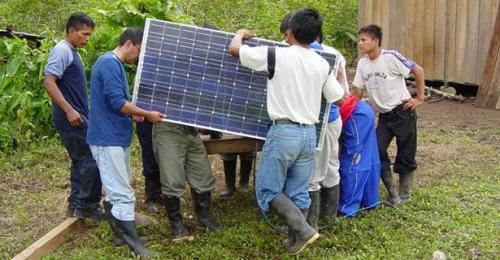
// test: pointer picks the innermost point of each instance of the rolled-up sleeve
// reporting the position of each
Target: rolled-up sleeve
(60, 57)
(254, 58)
(332, 89)
(113, 80)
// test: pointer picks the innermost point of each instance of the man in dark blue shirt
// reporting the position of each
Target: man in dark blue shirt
(66, 85)
(110, 133)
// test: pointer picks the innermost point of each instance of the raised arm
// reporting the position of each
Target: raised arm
(237, 41)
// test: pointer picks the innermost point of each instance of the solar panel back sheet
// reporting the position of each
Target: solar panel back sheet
(187, 73)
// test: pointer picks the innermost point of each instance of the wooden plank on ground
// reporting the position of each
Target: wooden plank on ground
(51, 240)
(439, 39)
(428, 39)
(488, 95)
(232, 144)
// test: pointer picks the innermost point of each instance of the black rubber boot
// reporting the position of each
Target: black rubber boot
(129, 235)
(313, 214)
(292, 233)
(245, 170)
(90, 213)
(386, 176)
(201, 202)
(118, 242)
(152, 191)
(173, 208)
(127, 232)
(230, 177)
(405, 183)
(304, 234)
(329, 203)
(107, 211)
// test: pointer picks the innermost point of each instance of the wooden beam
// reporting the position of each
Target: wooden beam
(232, 144)
(488, 95)
(51, 240)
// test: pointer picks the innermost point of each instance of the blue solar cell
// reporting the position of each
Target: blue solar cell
(187, 73)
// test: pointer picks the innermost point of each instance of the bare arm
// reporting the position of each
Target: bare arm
(57, 97)
(418, 72)
(237, 41)
(133, 110)
(358, 92)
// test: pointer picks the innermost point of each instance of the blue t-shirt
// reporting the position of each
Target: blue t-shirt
(65, 63)
(334, 110)
(109, 91)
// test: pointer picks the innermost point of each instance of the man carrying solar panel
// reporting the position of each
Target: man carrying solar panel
(297, 78)
(110, 133)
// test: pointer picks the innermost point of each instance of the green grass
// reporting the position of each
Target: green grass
(454, 210)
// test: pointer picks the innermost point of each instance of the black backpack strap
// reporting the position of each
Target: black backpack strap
(271, 61)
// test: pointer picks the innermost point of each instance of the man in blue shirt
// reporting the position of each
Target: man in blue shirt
(66, 85)
(110, 133)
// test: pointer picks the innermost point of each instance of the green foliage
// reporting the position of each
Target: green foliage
(24, 109)
(264, 17)
(39, 16)
(24, 105)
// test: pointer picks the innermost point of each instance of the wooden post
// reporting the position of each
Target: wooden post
(51, 240)
(488, 95)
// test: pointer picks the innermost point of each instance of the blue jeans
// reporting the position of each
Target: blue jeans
(286, 165)
(114, 165)
(84, 177)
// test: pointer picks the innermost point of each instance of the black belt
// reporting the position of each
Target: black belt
(285, 122)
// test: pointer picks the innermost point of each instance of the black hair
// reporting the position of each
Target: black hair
(78, 20)
(306, 25)
(285, 23)
(372, 30)
(134, 34)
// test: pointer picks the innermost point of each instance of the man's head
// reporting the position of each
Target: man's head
(370, 38)
(79, 27)
(130, 44)
(304, 26)
(285, 23)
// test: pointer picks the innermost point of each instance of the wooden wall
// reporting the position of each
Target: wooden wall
(448, 38)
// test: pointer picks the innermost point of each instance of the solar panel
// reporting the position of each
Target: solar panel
(186, 72)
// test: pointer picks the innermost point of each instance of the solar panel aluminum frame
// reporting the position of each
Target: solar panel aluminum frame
(138, 76)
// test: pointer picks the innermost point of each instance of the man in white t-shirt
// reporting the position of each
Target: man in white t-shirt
(382, 74)
(294, 91)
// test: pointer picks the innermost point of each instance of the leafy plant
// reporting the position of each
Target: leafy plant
(24, 109)
(25, 112)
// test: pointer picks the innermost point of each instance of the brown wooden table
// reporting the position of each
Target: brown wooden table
(231, 144)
